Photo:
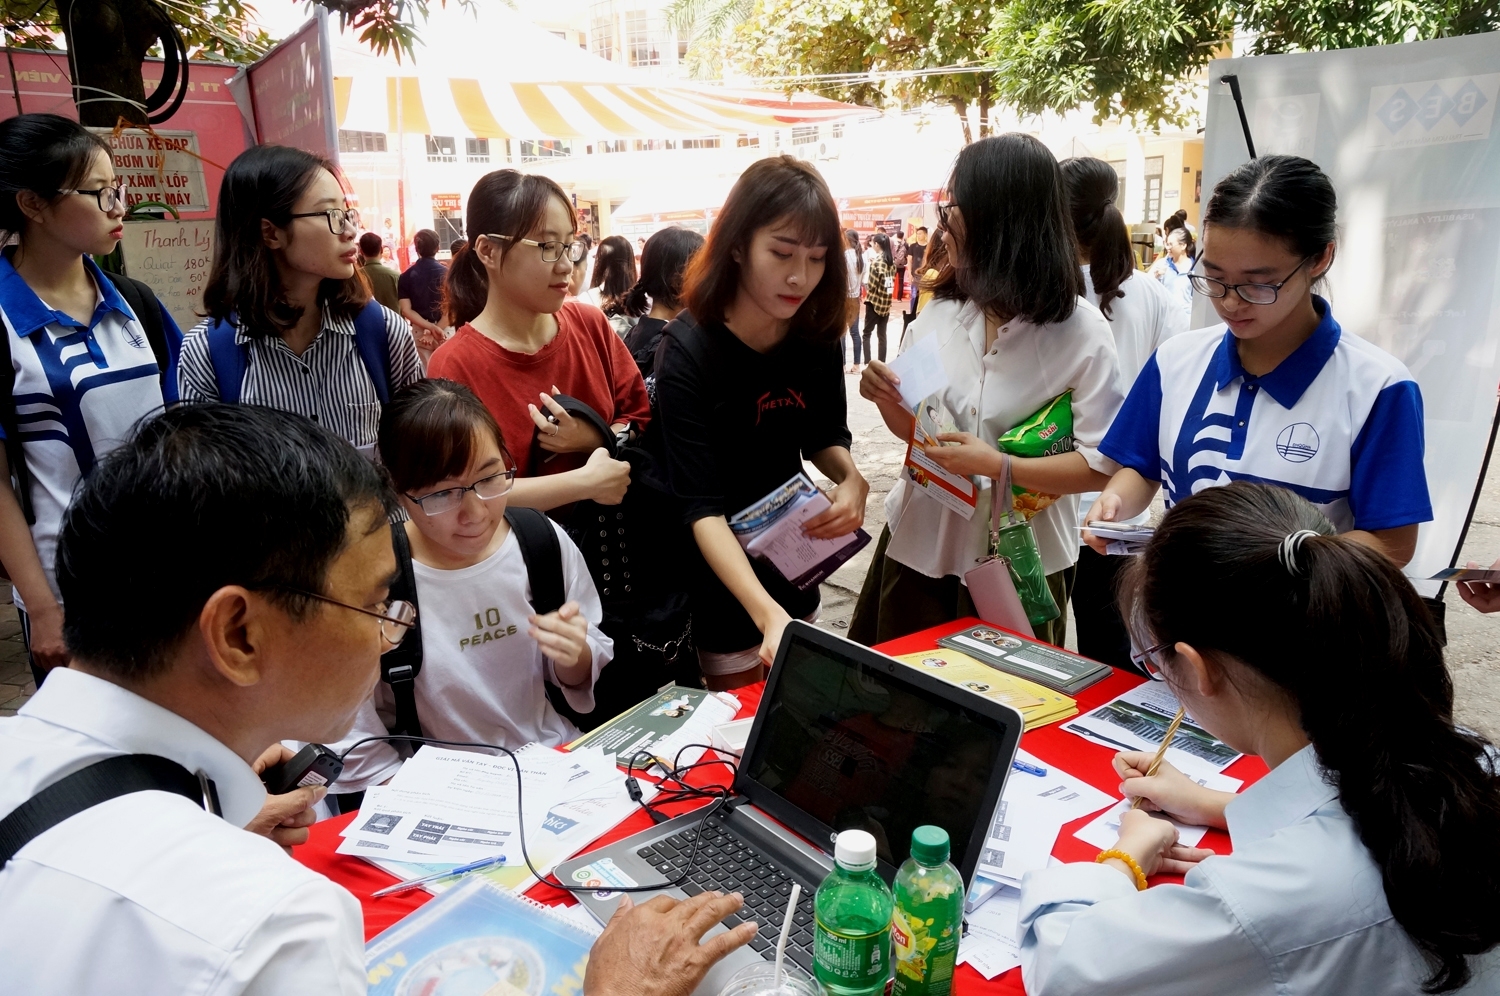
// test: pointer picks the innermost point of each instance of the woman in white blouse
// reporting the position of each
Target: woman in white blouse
(1364, 863)
(1014, 334)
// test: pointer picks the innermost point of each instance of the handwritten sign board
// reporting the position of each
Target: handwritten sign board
(173, 258)
(162, 166)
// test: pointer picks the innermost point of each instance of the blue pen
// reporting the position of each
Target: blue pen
(1030, 769)
(417, 883)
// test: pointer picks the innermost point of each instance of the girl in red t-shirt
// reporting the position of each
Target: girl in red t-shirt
(518, 343)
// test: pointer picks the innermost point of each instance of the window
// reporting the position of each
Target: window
(1119, 165)
(838, 129)
(805, 135)
(477, 150)
(543, 148)
(682, 50)
(700, 143)
(1153, 188)
(440, 149)
(612, 145)
(747, 142)
(602, 31)
(361, 141)
(449, 228)
(639, 42)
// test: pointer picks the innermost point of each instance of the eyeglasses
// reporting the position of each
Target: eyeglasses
(448, 499)
(551, 251)
(1249, 293)
(396, 617)
(107, 197)
(338, 218)
(1152, 661)
(942, 209)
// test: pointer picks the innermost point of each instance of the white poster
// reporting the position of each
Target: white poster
(173, 257)
(1404, 131)
(158, 166)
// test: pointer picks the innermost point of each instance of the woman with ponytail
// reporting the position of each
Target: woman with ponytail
(1141, 316)
(518, 343)
(657, 296)
(614, 276)
(1364, 862)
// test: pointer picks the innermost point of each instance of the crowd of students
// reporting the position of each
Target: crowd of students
(199, 567)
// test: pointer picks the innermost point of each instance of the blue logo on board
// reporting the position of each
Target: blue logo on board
(1298, 442)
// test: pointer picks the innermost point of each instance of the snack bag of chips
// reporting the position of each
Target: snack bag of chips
(1045, 432)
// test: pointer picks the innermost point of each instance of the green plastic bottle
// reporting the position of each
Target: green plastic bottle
(852, 939)
(929, 917)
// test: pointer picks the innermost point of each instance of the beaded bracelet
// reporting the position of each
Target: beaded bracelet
(1135, 868)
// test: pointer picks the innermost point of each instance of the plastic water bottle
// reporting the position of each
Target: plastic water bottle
(929, 917)
(852, 939)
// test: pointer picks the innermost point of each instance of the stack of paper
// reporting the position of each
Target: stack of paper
(1031, 812)
(1039, 662)
(772, 529)
(663, 726)
(447, 807)
(1138, 719)
(991, 945)
(1104, 832)
(1037, 705)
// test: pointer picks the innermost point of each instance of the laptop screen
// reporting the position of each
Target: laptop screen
(859, 743)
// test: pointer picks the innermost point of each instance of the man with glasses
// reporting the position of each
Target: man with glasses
(227, 577)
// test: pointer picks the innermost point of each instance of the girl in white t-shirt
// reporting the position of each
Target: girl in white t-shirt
(486, 656)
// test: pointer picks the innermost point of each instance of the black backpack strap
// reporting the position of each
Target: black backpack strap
(15, 453)
(143, 301)
(543, 555)
(399, 667)
(100, 782)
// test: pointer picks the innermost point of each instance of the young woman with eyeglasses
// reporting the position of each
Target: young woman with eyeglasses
(486, 656)
(1364, 861)
(82, 366)
(520, 341)
(291, 321)
(1277, 393)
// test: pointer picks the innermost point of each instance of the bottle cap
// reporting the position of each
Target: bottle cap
(929, 845)
(854, 850)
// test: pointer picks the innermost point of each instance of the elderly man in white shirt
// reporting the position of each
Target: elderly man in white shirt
(227, 577)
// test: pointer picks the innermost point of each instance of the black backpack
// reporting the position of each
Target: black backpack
(142, 300)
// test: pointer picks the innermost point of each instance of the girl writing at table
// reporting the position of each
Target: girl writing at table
(1365, 861)
(1278, 393)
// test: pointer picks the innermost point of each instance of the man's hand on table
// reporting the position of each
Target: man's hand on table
(654, 949)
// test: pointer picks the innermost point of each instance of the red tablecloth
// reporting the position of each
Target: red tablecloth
(1073, 754)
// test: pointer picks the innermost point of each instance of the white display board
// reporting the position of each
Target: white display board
(173, 257)
(159, 165)
(1406, 134)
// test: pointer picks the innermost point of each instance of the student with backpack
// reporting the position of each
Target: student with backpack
(657, 295)
(505, 601)
(291, 324)
(87, 353)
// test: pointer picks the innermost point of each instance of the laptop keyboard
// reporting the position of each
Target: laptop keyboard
(727, 863)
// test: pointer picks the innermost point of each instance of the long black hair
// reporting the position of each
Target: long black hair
(1019, 258)
(264, 183)
(882, 242)
(663, 261)
(614, 272)
(851, 238)
(1098, 225)
(42, 153)
(1286, 197)
(1357, 651)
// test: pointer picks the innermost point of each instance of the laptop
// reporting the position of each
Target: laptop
(845, 738)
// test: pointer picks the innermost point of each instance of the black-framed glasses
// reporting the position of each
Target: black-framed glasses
(107, 197)
(1152, 661)
(338, 218)
(1249, 293)
(396, 617)
(448, 499)
(943, 209)
(551, 251)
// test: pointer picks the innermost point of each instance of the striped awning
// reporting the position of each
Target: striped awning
(500, 108)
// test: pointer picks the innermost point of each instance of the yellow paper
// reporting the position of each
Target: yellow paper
(1037, 704)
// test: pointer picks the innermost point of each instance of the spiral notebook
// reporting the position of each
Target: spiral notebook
(478, 938)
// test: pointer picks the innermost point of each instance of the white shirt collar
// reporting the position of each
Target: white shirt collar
(126, 722)
(1293, 791)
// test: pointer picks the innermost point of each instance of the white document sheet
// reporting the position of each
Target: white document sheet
(1104, 832)
(1070, 796)
(1138, 719)
(992, 946)
(920, 368)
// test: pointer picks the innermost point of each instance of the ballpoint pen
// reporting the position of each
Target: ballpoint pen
(417, 883)
(1030, 769)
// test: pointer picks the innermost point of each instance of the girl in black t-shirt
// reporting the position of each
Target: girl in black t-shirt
(748, 383)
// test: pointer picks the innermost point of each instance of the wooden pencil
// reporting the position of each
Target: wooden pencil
(1161, 751)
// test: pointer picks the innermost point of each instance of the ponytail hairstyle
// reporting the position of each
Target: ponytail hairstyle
(427, 433)
(1357, 651)
(264, 183)
(883, 243)
(1175, 221)
(1285, 197)
(45, 154)
(663, 259)
(614, 273)
(1017, 256)
(851, 237)
(504, 202)
(1098, 225)
(773, 191)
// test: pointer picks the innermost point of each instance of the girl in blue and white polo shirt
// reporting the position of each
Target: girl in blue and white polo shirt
(1277, 394)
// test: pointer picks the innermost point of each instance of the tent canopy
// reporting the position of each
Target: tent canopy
(514, 80)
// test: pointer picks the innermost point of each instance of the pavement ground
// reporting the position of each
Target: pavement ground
(1473, 639)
